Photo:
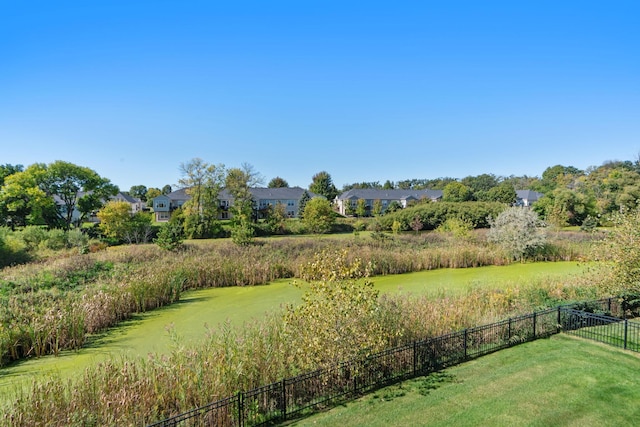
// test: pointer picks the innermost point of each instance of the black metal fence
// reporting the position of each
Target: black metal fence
(294, 397)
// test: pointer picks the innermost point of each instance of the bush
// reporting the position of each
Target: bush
(518, 231)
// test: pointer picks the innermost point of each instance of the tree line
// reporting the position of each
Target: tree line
(48, 194)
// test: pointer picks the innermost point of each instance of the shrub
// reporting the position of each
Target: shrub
(518, 230)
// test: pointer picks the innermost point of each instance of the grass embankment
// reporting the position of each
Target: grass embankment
(552, 382)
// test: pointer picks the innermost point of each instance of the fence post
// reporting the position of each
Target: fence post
(534, 324)
(626, 329)
(465, 343)
(415, 357)
(509, 339)
(559, 320)
(284, 399)
(240, 409)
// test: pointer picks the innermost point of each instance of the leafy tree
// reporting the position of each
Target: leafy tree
(318, 215)
(323, 185)
(166, 189)
(29, 195)
(518, 231)
(203, 182)
(277, 218)
(557, 176)
(72, 183)
(139, 191)
(170, 236)
(152, 193)
(564, 207)
(394, 206)
(117, 222)
(388, 185)
(361, 208)
(456, 192)
(377, 207)
(338, 318)
(503, 193)
(278, 182)
(115, 219)
(481, 183)
(238, 183)
(7, 169)
(620, 254)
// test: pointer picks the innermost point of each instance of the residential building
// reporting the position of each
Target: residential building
(348, 200)
(527, 197)
(165, 204)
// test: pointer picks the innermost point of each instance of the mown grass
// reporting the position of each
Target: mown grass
(552, 382)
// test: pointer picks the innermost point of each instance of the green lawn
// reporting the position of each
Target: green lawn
(561, 381)
(147, 333)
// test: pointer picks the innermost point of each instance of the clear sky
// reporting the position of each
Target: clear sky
(365, 90)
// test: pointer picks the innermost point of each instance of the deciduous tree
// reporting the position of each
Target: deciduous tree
(318, 215)
(322, 184)
(518, 231)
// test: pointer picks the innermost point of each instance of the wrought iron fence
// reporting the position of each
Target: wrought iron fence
(602, 320)
(297, 396)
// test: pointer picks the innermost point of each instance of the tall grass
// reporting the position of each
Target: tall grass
(48, 307)
(135, 392)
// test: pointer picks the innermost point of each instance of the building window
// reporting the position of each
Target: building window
(160, 205)
(163, 216)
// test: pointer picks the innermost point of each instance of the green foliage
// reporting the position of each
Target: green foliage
(518, 231)
(278, 182)
(33, 236)
(170, 236)
(322, 184)
(456, 226)
(242, 233)
(318, 215)
(456, 192)
(620, 253)
(337, 318)
(434, 214)
(396, 227)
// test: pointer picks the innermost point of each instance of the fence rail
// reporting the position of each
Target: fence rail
(297, 396)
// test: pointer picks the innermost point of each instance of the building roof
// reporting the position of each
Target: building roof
(395, 194)
(281, 193)
(529, 195)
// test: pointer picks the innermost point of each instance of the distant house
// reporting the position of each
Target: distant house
(527, 197)
(136, 204)
(349, 199)
(165, 204)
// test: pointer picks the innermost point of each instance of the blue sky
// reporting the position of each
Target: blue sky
(367, 90)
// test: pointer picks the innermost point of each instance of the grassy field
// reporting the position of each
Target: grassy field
(147, 333)
(561, 381)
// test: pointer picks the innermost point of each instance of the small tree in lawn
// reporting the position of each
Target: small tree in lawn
(518, 231)
(361, 208)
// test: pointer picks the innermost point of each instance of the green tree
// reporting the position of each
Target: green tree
(503, 193)
(377, 207)
(238, 183)
(51, 193)
(278, 182)
(456, 192)
(139, 191)
(166, 189)
(152, 193)
(170, 236)
(203, 182)
(619, 254)
(564, 207)
(117, 222)
(322, 184)
(518, 231)
(302, 202)
(361, 208)
(318, 215)
(338, 318)
(277, 218)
